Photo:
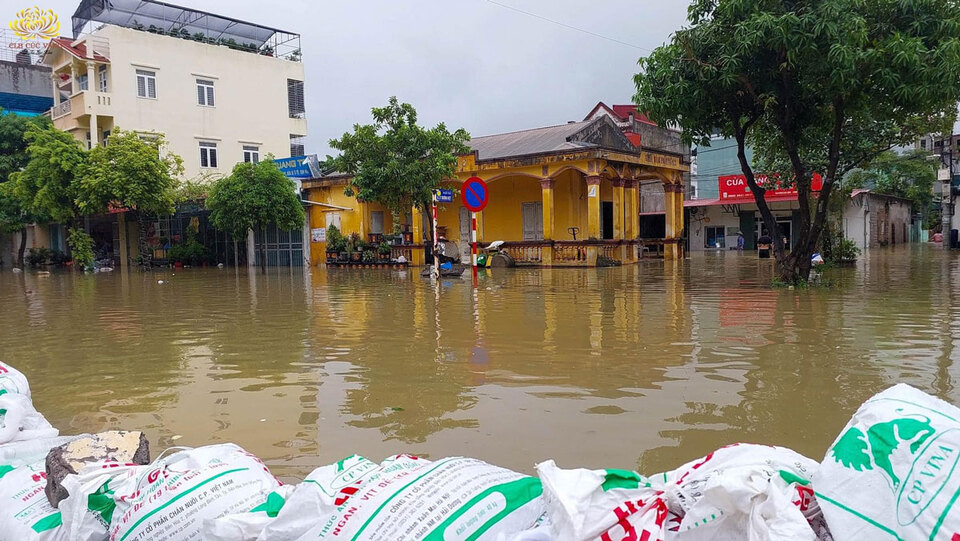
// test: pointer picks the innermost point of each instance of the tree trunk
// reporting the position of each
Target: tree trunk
(263, 250)
(22, 248)
(236, 257)
(142, 248)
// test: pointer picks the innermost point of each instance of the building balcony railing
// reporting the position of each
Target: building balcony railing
(86, 102)
(60, 110)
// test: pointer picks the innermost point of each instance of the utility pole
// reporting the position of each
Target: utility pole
(946, 196)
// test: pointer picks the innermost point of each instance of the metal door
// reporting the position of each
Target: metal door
(533, 221)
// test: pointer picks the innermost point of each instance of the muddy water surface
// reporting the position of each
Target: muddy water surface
(640, 367)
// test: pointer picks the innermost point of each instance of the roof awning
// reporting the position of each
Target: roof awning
(326, 205)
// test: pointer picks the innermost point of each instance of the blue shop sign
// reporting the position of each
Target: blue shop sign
(300, 166)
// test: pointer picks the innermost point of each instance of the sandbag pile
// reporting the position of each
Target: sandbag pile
(892, 473)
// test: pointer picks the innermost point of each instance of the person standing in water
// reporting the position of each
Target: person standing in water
(740, 242)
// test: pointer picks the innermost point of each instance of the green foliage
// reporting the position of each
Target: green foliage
(812, 85)
(909, 176)
(47, 185)
(252, 197)
(13, 145)
(335, 240)
(190, 252)
(130, 172)
(192, 190)
(384, 248)
(38, 257)
(369, 256)
(81, 245)
(58, 258)
(396, 162)
(846, 250)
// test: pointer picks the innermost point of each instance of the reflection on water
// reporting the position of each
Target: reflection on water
(639, 367)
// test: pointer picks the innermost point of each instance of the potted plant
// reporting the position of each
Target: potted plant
(384, 250)
(335, 243)
(355, 246)
(369, 256)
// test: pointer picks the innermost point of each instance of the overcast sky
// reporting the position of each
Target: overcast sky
(469, 63)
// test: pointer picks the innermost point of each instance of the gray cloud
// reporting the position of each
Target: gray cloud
(469, 63)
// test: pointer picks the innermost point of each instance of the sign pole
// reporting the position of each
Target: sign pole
(473, 237)
(436, 241)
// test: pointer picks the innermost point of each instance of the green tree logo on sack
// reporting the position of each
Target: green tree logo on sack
(933, 458)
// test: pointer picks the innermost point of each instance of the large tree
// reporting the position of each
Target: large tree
(49, 183)
(396, 162)
(814, 86)
(253, 197)
(14, 218)
(132, 171)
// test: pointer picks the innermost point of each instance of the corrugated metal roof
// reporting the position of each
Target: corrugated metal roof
(527, 142)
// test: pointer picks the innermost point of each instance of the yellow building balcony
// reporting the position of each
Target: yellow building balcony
(69, 113)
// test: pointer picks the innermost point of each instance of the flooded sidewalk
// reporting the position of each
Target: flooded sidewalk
(641, 367)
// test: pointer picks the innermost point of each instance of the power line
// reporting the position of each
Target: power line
(565, 25)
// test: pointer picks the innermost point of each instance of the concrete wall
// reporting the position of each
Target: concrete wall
(730, 222)
(250, 105)
(25, 79)
(872, 220)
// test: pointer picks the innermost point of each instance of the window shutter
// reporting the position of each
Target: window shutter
(151, 87)
(200, 100)
(213, 157)
(210, 96)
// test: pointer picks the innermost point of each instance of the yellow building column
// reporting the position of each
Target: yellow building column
(673, 206)
(549, 221)
(618, 211)
(631, 217)
(593, 206)
(418, 254)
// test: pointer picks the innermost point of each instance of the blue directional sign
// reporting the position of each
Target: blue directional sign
(444, 196)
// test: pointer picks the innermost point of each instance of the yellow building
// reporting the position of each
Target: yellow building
(559, 196)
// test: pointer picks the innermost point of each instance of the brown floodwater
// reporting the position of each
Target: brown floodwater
(640, 367)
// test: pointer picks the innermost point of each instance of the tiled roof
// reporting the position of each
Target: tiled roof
(527, 142)
(80, 51)
(623, 111)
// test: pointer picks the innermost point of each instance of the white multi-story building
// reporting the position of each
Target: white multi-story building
(220, 90)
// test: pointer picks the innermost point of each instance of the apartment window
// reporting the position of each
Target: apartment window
(82, 82)
(146, 84)
(208, 154)
(106, 136)
(251, 154)
(297, 145)
(923, 143)
(295, 99)
(102, 78)
(205, 92)
(89, 141)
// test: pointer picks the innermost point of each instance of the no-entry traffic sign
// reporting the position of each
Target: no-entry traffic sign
(475, 194)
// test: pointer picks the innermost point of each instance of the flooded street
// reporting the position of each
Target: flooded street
(639, 367)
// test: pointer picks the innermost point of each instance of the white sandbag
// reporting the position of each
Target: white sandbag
(11, 380)
(742, 491)
(450, 499)
(19, 421)
(892, 473)
(89, 508)
(27, 452)
(169, 499)
(327, 488)
(247, 526)
(25, 513)
(610, 505)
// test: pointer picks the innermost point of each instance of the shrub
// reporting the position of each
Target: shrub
(58, 258)
(38, 257)
(369, 256)
(335, 240)
(81, 244)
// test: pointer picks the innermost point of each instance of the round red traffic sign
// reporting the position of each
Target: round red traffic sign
(474, 194)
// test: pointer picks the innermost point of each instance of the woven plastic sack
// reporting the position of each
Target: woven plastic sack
(450, 499)
(892, 473)
(609, 505)
(13, 381)
(25, 513)
(19, 421)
